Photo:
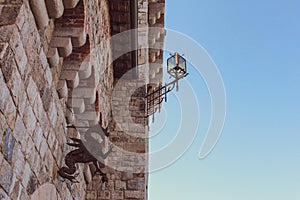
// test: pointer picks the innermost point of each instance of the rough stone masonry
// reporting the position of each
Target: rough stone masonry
(47, 53)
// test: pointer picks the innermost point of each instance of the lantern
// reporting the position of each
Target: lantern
(176, 66)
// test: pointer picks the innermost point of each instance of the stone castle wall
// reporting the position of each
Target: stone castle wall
(128, 162)
(127, 167)
(36, 79)
(56, 69)
(32, 119)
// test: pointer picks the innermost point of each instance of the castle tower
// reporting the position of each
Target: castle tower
(69, 62)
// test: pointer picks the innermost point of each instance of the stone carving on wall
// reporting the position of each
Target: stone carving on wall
(80, 155)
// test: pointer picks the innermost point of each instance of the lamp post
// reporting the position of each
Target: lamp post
(176, 67)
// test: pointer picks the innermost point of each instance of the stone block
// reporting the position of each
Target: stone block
(15, 85)
(63, 45)
(36, 167)
(6, 32)
(89, 94)
(32, 91)
(70, 117)
(3, 49)
(90, 116)
(1, 158)
(6, 174)
(51, 140)
(46, 98)
(77, 105)
(91, 195)
(25, 33)
(3, 194)
(55, 8)
(57, 151)
(104, 194)
(23, 102)
(40, 13)
(20, 132)
(29, 119)
(84, 68)
(8, 65)
(37, 136)
(87, 174)
(91, 82)
(15, 192)
(43, 59)
(38, 110)
(26, 174)
(43, 175)
(126, 176)
(53, 57)
(117, 195)
(32, 47)
(21, 16)
(52, 114)
(134, 194)
(48, 76)
(30, 152)
(8, 145)
(32, 184)
(25, 77)
(79, 41)
(43, 148)
(3, 127)
(24, 195)
(62, 89)
(77, 34)
(120, 185)
(49, 162)
(70, 3)
(9, 14)
(137, 184)
(19, 51)
(71, 77)
(5, 95)
(46, 128)
(110, 185)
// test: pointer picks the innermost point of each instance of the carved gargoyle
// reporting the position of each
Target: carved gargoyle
(82, 155)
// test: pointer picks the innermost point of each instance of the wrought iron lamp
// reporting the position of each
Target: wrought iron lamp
(176, 67)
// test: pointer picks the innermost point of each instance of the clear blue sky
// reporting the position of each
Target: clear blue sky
(256, 47)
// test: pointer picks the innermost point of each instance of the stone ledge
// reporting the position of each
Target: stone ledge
(77, 34)
(77, 105)
(84, 68)
(55, 8)
(70, 3)
(40, 13)
(71, 77)
(63, 44)
(53, 57)
(62, 89)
